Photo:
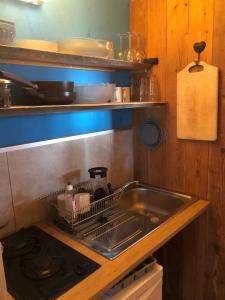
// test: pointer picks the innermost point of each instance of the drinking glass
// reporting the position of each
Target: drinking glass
(129, 53)
(139, 53)
(153, 89)
(120, 54)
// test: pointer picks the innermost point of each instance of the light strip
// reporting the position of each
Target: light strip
(55, 141)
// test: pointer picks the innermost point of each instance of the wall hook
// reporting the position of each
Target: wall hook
(199, 47)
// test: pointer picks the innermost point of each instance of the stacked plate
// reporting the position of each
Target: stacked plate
(87, 47)
(37, 45)
(77, 46)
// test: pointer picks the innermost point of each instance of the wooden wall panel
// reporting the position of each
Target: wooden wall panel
(194, 260)
(176, 40)
(140, 152)
(139, 24)
(215, 273)
(156, 43)
(200, 27)
(138, 20)
(189, 166)
(156, 47)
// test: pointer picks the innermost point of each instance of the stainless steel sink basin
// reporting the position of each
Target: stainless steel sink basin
(147, 200)
(140, 210)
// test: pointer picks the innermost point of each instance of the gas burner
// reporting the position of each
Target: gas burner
(42, 266)
(19, 245)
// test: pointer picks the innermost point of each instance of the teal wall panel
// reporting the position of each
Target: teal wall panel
(57, 19)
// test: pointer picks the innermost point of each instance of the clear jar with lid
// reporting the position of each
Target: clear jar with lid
(5, 93)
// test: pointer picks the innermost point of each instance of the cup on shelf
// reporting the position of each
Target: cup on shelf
(130, 52)
(144, 87)
(140, 52)
(131, 47)
(120, 52)
(153, 90)
(126, 94)
(118, 96)
(122, 94)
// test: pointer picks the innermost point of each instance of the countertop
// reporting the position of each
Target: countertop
(111, 272)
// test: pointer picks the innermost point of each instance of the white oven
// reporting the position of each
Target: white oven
(148, 287)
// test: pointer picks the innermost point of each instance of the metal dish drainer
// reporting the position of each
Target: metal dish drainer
(72, 220)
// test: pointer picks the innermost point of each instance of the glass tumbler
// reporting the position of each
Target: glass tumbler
(130, 52)
(140, 52)
(120, 53)
(153, 89)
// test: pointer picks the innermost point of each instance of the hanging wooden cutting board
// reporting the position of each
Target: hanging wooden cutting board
(197, 102)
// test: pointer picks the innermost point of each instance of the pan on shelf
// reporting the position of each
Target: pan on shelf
(152, 134)
(43, 92)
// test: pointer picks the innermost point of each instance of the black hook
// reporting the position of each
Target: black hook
(199, 47)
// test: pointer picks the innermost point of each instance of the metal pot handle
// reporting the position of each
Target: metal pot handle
(12, 77)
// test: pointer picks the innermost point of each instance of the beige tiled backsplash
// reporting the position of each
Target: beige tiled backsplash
(29, 173)
(7, 220)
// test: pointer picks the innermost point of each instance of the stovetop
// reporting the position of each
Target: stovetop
(40, 267)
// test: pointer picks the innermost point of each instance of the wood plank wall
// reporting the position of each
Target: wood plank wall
(170, 28)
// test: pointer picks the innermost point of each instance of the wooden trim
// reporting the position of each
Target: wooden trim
(47, 109)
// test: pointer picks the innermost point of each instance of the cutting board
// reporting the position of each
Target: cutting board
(197, 102)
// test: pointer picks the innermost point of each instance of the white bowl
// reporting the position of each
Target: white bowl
(37, 45)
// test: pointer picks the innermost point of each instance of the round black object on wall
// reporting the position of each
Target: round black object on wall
(152, 134)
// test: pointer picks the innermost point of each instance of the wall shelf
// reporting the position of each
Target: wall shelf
(49, 109)
(21, 56)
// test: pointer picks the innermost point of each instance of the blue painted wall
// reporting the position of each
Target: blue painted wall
(78, 76)
(28, 129)
(62, 19)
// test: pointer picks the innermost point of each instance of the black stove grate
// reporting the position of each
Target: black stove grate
(45, 269)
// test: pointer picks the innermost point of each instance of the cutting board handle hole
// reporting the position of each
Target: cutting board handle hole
(196, 68)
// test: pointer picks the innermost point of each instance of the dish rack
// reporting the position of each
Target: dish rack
(72, 220)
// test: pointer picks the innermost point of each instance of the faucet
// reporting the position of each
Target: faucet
(128, 184)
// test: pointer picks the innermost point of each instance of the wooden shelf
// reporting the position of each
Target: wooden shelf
(49, 109)
(21, 56)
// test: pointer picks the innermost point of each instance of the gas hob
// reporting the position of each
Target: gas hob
(40, 267)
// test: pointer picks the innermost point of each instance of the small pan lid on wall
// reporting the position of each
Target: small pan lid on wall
(152, 134)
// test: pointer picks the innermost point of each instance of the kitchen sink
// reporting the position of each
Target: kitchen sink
(140, 210)
(147, 200)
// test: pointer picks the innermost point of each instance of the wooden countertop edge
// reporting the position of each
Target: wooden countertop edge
(111, 271)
